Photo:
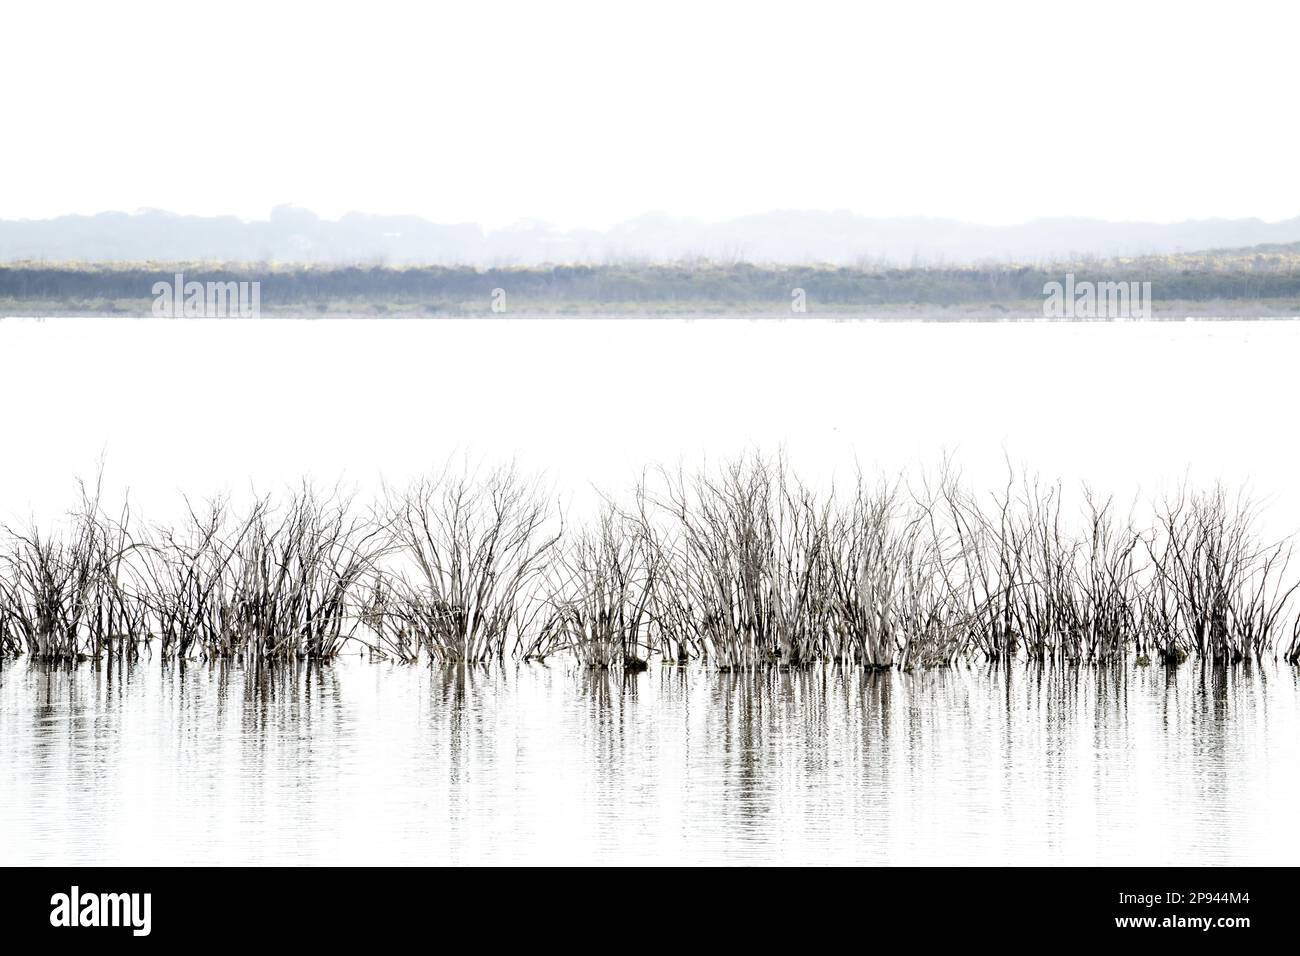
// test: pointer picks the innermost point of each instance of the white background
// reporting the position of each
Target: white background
(589, 113)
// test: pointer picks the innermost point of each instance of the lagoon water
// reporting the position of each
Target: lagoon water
(197, 407)
(376, 763)
(384, 764)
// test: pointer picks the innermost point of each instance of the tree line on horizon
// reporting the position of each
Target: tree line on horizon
(1266, 273)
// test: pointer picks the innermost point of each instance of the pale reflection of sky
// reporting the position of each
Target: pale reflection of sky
(197, 407)
(375, 763)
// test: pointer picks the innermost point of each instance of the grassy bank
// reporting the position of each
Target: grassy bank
(1264, 282)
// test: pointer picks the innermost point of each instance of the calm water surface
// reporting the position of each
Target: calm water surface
(368, 763)
(372, 763)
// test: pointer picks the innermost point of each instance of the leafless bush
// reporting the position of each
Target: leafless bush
(868, 552)
(471, 558)
(601, 602)
(1109, 587)
(744, 580)
(280, 584)
(61, 597)
(188, 585)
(1218, 592)
(297, 570)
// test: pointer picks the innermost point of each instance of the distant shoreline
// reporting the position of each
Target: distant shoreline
(598, 314)
(1245, 284)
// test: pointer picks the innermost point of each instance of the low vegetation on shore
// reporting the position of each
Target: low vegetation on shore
(1260, 282)
(744, 566)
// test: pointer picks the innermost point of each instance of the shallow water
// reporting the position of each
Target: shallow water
(376, 763)
(197, 407)
(373, 763)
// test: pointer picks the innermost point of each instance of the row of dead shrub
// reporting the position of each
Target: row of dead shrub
(742, 566)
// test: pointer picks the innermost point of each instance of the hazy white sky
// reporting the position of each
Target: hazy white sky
(591, 113)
